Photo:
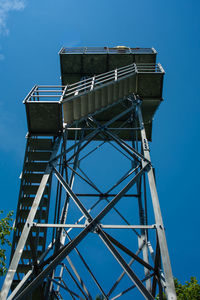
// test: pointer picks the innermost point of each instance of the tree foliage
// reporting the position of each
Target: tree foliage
(188, 291)
(5, 230)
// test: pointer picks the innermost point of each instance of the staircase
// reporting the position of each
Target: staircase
(93, 94)
(99, 92)
(37, 155)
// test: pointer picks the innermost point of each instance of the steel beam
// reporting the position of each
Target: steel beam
(169, 281)
(71, 245)
(125, 266)
(123, 273)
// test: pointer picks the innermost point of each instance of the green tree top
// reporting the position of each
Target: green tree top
(188, 291)
(5, 230)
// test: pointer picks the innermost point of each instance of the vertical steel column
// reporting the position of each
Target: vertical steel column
(169, 282)
(142, 240)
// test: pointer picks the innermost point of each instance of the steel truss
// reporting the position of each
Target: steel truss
(54, 271)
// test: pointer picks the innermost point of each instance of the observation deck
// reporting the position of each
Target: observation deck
(96, 81)
(88, 61)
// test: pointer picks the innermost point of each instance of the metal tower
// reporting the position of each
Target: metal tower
(88, 218)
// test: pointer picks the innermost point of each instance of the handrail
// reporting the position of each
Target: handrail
(65, 93)
(45, 91)
(105, 50)
(110, 77)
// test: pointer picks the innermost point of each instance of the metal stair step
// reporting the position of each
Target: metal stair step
(132, 84)
(22, 268)
(113, 87)
(77, 108)
(98, 99)
(39, 151)
(27, 254)
(33, 177)
(39, 156)
(40, 241)
(28, 201)
(84, 105)
(116, 92)
(104, 101)
(121, 89)
(126, 87)
(32, 189)
(110, 93)
(35, 166)
(40, 144)
(68, 111)
(91, 102)
(40, 215)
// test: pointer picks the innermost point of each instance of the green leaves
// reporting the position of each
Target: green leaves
(188, 291)
(5, 230)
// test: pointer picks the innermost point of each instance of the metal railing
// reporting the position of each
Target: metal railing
(96, 82)
(43, 92)
(106, 50)
(60, 93)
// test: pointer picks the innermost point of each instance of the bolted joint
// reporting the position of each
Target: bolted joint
(94, 227)
(146, 145)
(103, 128)
(148, 167)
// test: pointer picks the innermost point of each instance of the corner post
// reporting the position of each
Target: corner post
(169, 281)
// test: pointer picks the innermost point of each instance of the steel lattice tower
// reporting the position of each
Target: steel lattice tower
(74, 219)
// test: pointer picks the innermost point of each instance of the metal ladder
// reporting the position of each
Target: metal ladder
(37, 155)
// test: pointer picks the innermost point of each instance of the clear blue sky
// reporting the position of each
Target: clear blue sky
(32, 33)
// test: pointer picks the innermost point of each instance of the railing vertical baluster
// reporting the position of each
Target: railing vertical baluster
(64, 93)
(92, 83)
(135, 67)
(115, 74)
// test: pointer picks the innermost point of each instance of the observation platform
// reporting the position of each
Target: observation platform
(96, 81)
(77, 63)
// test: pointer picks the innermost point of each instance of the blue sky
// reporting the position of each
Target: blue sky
(32, 33)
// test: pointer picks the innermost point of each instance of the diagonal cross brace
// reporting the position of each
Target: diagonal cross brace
(71, 245)
(91, 136)
(88, 268)
(123, 273)
(129, 252)
(125, 266)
